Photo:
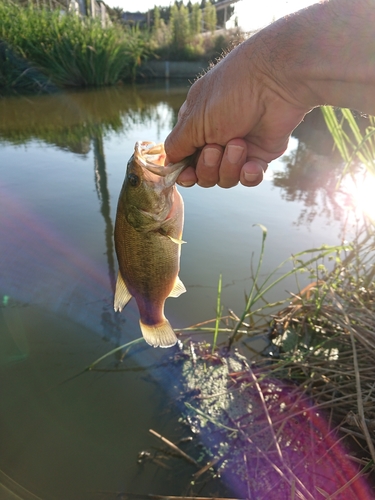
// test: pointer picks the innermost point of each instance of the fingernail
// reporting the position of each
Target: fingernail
(250, 177)
(211, 157)
(186, 184)
(234, 153)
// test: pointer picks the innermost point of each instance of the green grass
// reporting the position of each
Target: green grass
(353, 144)
(16, 75)
(307, 261)
(72, 51)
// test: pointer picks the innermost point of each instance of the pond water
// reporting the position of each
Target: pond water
(62, 164)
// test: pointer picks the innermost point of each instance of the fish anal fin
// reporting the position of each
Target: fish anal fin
(122, 294)
(178, 288)
(160, 335)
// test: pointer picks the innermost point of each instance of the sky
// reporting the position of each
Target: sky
(252, 14)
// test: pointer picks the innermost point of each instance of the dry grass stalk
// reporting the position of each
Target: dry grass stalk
(337, 367)
(175, 448)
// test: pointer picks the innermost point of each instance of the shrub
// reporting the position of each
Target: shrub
(16, 75)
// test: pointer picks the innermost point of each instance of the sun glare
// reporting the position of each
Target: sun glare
(362, 192)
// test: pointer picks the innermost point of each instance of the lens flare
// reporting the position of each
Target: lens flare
(365, 196)
(361, 191)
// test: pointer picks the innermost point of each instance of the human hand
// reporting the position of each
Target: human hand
(240, 115)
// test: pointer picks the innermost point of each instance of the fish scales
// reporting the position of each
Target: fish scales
(148, 234)
(159, 257)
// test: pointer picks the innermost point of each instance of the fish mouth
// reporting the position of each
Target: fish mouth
(151, 157)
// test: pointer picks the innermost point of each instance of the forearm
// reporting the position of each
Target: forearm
(325, 54)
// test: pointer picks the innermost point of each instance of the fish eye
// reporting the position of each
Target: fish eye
(133, 180)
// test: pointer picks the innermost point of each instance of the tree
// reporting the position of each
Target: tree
(195, 19)
(161, 34)
(209, 17)
(179, 25)
(156, 24)
(115, 14)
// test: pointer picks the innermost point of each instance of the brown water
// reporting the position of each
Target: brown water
(62, 163)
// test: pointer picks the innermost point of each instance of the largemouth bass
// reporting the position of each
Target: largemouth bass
(148, 232)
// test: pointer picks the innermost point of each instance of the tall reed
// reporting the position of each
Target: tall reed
(352, 143)
(16, 75)
(71, 50)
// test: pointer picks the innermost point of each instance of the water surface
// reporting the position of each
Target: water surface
(62, 164)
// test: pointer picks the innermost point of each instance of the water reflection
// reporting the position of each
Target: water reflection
(74, 121)
(101, 186)
(311, 179)
(87, 123)
(77, 122)
(58, 274)
(111, 322)
(69, 119)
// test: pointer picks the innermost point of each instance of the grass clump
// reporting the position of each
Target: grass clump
(297, 420)
(16, 75)
(72, 51)
(77, 51)
(356, 147)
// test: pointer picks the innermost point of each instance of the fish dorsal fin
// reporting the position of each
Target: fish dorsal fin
(122, 294)
(160, 335)
(178, 288)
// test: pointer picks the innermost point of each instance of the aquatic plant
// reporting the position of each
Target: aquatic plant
(72, 51)
(353, 144)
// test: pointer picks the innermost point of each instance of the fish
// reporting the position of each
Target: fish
(148, 239)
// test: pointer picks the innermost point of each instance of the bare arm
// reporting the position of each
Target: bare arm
(242, 112)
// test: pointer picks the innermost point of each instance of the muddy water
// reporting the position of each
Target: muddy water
(62, 163)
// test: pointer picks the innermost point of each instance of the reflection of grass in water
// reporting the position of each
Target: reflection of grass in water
(70, 119)
(76, 138)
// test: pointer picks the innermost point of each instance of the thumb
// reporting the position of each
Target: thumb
(179, 143)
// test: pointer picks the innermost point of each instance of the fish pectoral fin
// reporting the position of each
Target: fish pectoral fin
(122, 294)
(175, 240)
(178, 288)
(161, 335)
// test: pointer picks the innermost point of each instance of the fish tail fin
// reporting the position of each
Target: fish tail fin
(161, 335)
